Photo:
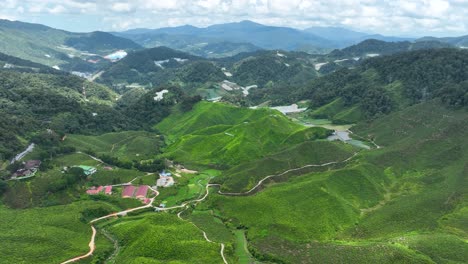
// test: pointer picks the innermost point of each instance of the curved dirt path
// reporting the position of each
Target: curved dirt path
(221, 252)
(92, 247)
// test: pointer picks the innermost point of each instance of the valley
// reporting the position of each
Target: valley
(240, 150)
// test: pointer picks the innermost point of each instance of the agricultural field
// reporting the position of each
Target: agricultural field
(56, 230)
(187, 187)
(128, 145)
(215, 229)
(221, 135)
(161, 238)
(396, 204)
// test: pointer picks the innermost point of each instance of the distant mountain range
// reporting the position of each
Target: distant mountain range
(85, 52)
(461, 42)
(54, 47)
(312, 40)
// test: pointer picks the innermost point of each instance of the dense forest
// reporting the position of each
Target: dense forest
(373, 46)
(379, 85)
(32, 102)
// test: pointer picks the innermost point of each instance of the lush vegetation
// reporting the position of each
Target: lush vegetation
(392, 205)
(401, 202)
(382, 85)
(161, 238)
(221, 135)
(373, 46)
(45, 235)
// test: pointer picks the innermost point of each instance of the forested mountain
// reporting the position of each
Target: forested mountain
(374, 47)
(344, 37)
(184, 41)
(55, 47)
(461, 41)
(196, 75)
(10, 62)
(34, 98)
(382, 84)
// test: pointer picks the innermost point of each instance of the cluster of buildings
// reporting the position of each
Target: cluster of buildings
(29, 169)
(140, 192)
(130, 191)
(165, 179)
(100, 189)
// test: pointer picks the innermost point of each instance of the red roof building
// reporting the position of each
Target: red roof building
(108, 190)
(141, 192)
(128, 191)
(94, 190)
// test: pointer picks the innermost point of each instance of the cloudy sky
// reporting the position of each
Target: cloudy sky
(391, 17)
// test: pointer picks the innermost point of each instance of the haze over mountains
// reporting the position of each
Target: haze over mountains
(235, 143)
(73, 51)
(315, 39)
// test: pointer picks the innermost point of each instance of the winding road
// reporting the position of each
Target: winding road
(184, 205)
(283, 173)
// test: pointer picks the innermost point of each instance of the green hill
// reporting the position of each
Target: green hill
(161, 65)
(162, 238)
(402, 203)
(58, 229)
(274, 67)
(128, 145)
(34, 102)
(223, 135)
(379, 47)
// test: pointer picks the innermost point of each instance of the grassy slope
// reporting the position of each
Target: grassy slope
(162, 238)
(214, 133)
(246, 175)
(338, 112)
(45, 235)
(128, 145)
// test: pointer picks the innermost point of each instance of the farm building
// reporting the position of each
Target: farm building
(141, 192)
(88, 170)
(32, 164)
(24, 173)
(94, 190)
(165, 182)
(108, 190)
(128, 191)
(164, 174)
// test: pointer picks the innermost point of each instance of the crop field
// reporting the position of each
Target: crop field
(213, 226)
(128, 145)
(187, 187)
(46, 235)
(242, 252)
(246, 175)
(215, 134)
(75, 160)
(118, 175)
(161, 238)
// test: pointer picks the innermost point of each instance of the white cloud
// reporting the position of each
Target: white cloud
(382, 16)
(122, 7)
